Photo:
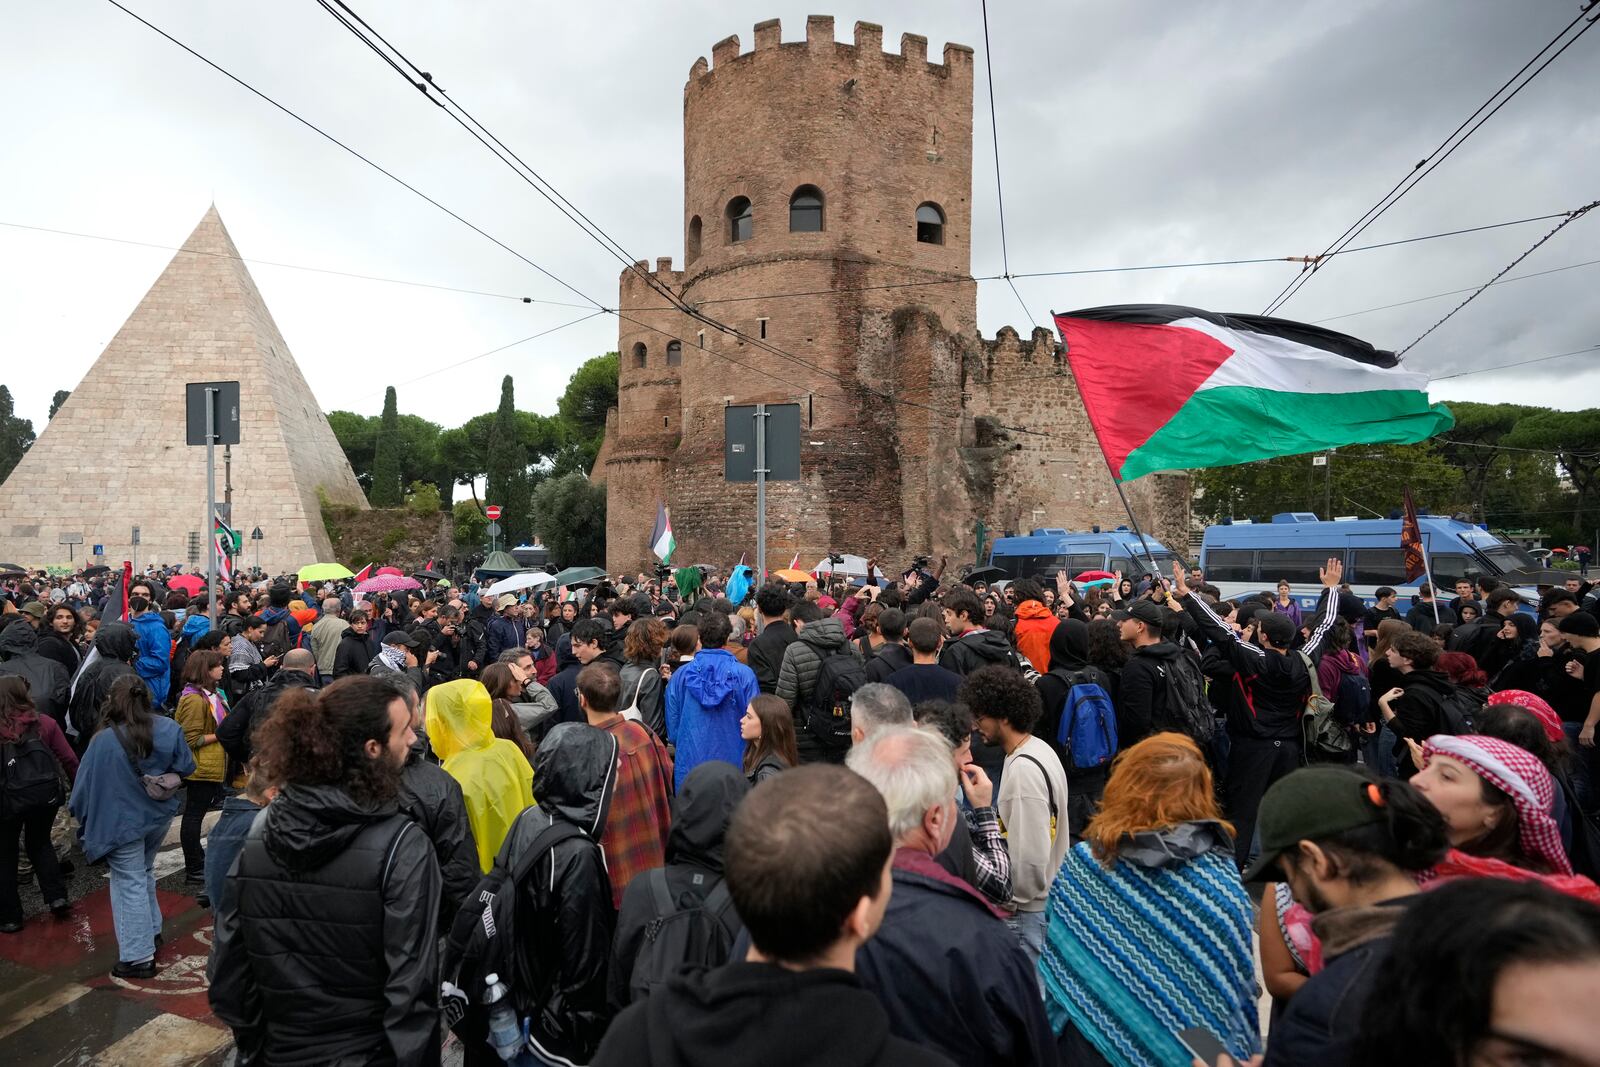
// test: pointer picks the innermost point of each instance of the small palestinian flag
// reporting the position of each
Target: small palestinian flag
(662, 543)
(1173, 388)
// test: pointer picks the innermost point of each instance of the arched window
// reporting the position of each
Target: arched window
(741, 223)
(805, 210)
(930, 224)
(639, 353)
(692, 249)
(674, 353)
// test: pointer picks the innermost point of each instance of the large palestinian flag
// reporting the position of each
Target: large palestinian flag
(1170, 388)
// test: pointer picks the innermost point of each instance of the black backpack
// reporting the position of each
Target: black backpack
(30, 776)
(483, 938)
(1188, 710)
(676, 938)
(828, 713)
(275, 642)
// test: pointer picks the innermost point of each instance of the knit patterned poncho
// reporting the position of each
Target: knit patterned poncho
(1142, 951)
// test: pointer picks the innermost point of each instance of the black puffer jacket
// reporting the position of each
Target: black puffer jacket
(564, 917)
(326, 946)
(700, 815)
(355, 651)
(433, 800)
(235, 731)
(48, 684)
(974, 649)
(116, 644)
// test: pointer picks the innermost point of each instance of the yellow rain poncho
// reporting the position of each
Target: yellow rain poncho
(496, 781)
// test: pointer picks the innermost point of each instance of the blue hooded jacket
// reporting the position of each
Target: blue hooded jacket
(705, 701)
(153, 656)
(194, 628)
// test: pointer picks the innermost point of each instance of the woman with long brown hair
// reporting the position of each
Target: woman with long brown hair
(31, 739)
(125, 798)
(768, 731)
(1150, 927)
(201, 707)
(501, 683)
(642, 687)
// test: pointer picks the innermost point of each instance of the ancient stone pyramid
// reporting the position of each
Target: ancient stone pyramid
(114, 456)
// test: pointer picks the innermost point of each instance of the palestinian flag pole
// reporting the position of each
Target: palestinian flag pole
(1175, 388)
(662, 543)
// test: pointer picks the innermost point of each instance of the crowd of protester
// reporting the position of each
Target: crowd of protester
(842, 821)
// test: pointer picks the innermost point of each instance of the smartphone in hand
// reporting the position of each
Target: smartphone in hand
(1202, 1044)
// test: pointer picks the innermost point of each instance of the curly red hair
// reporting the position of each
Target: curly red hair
(1160, 782)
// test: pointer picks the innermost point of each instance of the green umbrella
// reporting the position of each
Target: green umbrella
(324, 572)
(579, 575)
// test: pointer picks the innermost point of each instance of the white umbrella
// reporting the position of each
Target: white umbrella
(524, 580)
(852, 567)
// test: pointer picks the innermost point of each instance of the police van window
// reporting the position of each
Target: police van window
(1230, 565)
(1296, 564)
(1447, 568)
(1077, 563)
(1378, 566)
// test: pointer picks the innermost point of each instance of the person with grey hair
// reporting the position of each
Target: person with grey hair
(943, 952)
(875, 706)
(325, 635)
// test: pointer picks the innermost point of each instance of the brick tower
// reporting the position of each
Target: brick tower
(827, 213)
(114, 456)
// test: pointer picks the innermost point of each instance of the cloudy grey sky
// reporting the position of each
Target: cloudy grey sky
(1130, 133)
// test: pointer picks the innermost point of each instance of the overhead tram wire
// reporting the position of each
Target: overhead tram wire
(290, 266)
(1572, 216)
(999, 192)
(1428, 163)
(369, 162)
(1519, 363)
(1455, 292)
(592, 229)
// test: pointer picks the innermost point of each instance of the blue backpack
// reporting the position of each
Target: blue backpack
(1088, 731)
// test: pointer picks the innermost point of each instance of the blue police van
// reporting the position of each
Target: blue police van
(1243, 557)
(1044, 551)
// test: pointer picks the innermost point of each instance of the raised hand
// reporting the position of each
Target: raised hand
(1333, 573)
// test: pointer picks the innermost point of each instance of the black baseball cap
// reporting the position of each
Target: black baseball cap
(1310, 804)
(1148, 611)
(400, 637)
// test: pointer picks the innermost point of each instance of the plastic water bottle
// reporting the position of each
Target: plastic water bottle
(505, 1032)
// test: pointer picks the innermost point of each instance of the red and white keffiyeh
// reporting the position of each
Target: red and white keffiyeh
(1519, 774)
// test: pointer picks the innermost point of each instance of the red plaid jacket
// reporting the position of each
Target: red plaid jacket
(635, 837)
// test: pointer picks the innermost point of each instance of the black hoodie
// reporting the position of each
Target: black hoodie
(115, 642)
(564, 913)
(700, 815)
(759, 1013)
(326, 939)
(1069, 658)
(48, 683)
(973, 649)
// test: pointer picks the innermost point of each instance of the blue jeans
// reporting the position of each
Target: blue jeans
(1029, 927)
(225, 842)
(134, 910)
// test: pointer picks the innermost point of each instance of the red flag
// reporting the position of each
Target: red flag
(794, 564)
(127, 580)
(364, 573)
(1411, 541)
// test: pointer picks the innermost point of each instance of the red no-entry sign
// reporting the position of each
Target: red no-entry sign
(493, 511)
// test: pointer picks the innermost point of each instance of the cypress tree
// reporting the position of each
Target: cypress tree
(386, 491)
(507, 481)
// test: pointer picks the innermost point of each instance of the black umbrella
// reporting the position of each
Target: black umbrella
(11, 567)
(12, 572)
(984, 574)
(95, 571)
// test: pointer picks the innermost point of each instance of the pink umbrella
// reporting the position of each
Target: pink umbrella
(189, 583)
(387, 583)
(389, 570)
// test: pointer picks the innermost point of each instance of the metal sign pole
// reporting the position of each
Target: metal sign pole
(761, 491)
(211, 505)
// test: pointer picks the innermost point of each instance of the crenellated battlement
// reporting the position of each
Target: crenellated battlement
(866, 48)
(1041, 351)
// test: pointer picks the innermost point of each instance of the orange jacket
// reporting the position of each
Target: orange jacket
(1035, 624)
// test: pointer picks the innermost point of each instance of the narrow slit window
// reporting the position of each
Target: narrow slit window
(930, 224)
(640, 354)
(741, 219)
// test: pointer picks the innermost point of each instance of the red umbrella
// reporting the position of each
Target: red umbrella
(390, 570)
(189, 583)
(1095, 576)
